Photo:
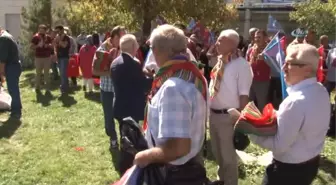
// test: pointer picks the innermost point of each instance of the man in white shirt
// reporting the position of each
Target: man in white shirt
(303, 121)
(229, 88)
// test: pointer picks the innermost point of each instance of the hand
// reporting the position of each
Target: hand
(260, 56)
(142, 159)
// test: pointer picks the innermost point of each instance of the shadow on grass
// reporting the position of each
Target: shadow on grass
(328, 166)
(29, 81)
(9, 127)
(44, 99)
(95, 97)
(115, 155)
(67, 100)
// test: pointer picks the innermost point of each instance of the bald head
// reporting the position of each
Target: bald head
(128, 43)
(232, 35)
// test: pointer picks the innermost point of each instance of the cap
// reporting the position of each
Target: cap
(304, 54)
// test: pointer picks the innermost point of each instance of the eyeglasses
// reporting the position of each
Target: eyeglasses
(287, 63)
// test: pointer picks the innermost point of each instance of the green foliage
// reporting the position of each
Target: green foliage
(38, 12)
(316, 15)
(91, 15)
(88, 15)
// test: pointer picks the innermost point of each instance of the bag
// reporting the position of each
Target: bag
(103, 59)
(240, 141)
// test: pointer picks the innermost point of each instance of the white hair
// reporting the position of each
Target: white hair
(127, 43)
(253, 30)
(169, 39)
(232, 35)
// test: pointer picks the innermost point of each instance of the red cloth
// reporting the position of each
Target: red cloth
(320, 74)
(86, 54)
(261, 71)
(283, 43)
(140, 56)
(73, 66)
(42, 52)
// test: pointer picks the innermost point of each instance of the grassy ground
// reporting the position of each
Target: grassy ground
(62, 141)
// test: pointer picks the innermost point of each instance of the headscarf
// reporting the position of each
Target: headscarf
(89, 40)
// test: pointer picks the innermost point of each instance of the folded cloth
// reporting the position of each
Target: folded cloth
(252, 121)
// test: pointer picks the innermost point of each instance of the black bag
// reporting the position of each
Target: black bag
(240, 141)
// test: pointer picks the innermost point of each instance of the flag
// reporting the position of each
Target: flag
(191, 25)
(275, 58)
(273, 25)
(131, 176)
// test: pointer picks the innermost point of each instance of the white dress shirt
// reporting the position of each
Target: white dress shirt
(303, 121)
(237, 80)
(151, 64)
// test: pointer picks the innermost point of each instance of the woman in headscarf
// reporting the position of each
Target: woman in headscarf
(86, 55)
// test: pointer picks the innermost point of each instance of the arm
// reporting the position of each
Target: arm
(245, 77)
(174, 124)
(34, 43)
(3, 55)
(289, 119)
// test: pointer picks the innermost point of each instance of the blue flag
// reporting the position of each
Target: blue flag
(275, 59)
(192, 24)
(273, 25)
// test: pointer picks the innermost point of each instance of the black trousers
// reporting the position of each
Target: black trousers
(278, 173)
(275, 92)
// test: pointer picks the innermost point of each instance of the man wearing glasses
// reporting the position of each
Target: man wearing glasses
(303, 121)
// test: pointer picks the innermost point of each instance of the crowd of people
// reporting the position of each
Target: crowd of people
(176, 83)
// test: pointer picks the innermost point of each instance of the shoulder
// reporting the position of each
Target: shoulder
(176, 86)
(240, 62)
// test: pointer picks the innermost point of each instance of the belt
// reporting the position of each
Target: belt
(219, 111)
(312, 160)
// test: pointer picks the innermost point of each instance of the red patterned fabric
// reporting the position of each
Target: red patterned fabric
(320, 73)
(73, 66)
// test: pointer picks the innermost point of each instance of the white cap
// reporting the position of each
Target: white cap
(303, 54)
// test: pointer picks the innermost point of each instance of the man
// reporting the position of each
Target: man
(331, 73)
(299, 35)
(42, 46)
(10, 67)
(252, 32)
(62, 45)
(54, 69)
(323, 51)
(111, 45)
(130, 84)
(303, 121)
(177, 110)
(229, 88)
(129, 81)
(310, 38)
(261, 71)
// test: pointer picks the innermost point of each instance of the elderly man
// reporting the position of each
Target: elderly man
(303, 121)
(129, 84)
(177, 110)
(229, 88)
(252, 32)
(10, 67)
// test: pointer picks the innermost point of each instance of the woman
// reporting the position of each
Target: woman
(86, 54)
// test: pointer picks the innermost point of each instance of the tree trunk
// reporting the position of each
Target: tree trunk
(146, 26)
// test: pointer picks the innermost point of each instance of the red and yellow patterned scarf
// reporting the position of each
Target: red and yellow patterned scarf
(181, 68)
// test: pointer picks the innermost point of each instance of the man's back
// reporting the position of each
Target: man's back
(9, 51)
(129, 86)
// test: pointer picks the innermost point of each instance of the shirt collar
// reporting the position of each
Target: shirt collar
(301, 85)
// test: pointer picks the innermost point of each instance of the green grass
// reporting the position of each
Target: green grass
(42, 150)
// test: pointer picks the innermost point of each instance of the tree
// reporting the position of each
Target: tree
(38, 12)
(213, 13)
(317, 15)
(92, 15)
(138, 14)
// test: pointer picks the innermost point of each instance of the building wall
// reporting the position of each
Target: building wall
(10, 14)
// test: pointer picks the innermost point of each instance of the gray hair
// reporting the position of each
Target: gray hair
(169, 39)
(304, 54)
(232, 35)
(127, 43)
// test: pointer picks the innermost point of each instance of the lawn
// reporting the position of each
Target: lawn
(61, 141)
